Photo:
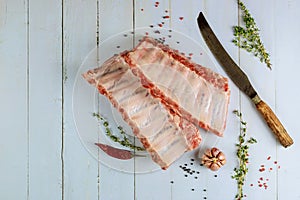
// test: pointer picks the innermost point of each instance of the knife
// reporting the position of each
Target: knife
(242, 82)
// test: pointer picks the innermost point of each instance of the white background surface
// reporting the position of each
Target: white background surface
(43, 43)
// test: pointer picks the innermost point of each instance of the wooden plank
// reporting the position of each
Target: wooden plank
(172, 183)
(79, 38)
(263, 81)
(45, 100)
(149, 15)
(115, 17)
(13, 89)
(221, 18)
(286, 57)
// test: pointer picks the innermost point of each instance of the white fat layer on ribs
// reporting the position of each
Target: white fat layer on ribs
(190, 91)
(147, 114)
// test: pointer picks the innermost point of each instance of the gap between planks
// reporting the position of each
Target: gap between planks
(97, 46)
(27, 95)
(62, 103)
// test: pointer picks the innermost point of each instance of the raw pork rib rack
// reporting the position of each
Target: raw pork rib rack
(163, 96)
(194, 92)
(164, 134)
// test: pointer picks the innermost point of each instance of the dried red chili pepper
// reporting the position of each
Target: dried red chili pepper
(115, 152)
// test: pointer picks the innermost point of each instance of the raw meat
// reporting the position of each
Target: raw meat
(192, 91)
(164, 134)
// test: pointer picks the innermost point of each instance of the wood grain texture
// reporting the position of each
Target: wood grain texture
(80, 170)
(115, 17)
(275, 125)
(45, 113)
(287, 99)
(14, 102)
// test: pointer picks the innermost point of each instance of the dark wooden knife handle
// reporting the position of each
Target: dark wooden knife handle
(274, 123)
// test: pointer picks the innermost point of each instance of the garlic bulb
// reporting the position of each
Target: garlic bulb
(213, 159)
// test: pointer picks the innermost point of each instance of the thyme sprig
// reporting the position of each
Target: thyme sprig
(240, 172)
(248, 37)
(124, 141)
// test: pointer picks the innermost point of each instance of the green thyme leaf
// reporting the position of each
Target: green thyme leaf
(248, 37)
(241, 171)
(124, 141)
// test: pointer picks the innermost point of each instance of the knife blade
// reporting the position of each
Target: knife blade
(242, 82)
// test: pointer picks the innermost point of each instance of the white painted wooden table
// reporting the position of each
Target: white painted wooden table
(43, 43)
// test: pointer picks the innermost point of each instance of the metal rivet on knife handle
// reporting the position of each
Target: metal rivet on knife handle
(241, 81)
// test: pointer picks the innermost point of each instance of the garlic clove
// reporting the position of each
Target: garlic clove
(215, 152)
(207, 164)
(206, 159)
(214, 166)
(221, 156)
(208, 153)
(223, 162)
